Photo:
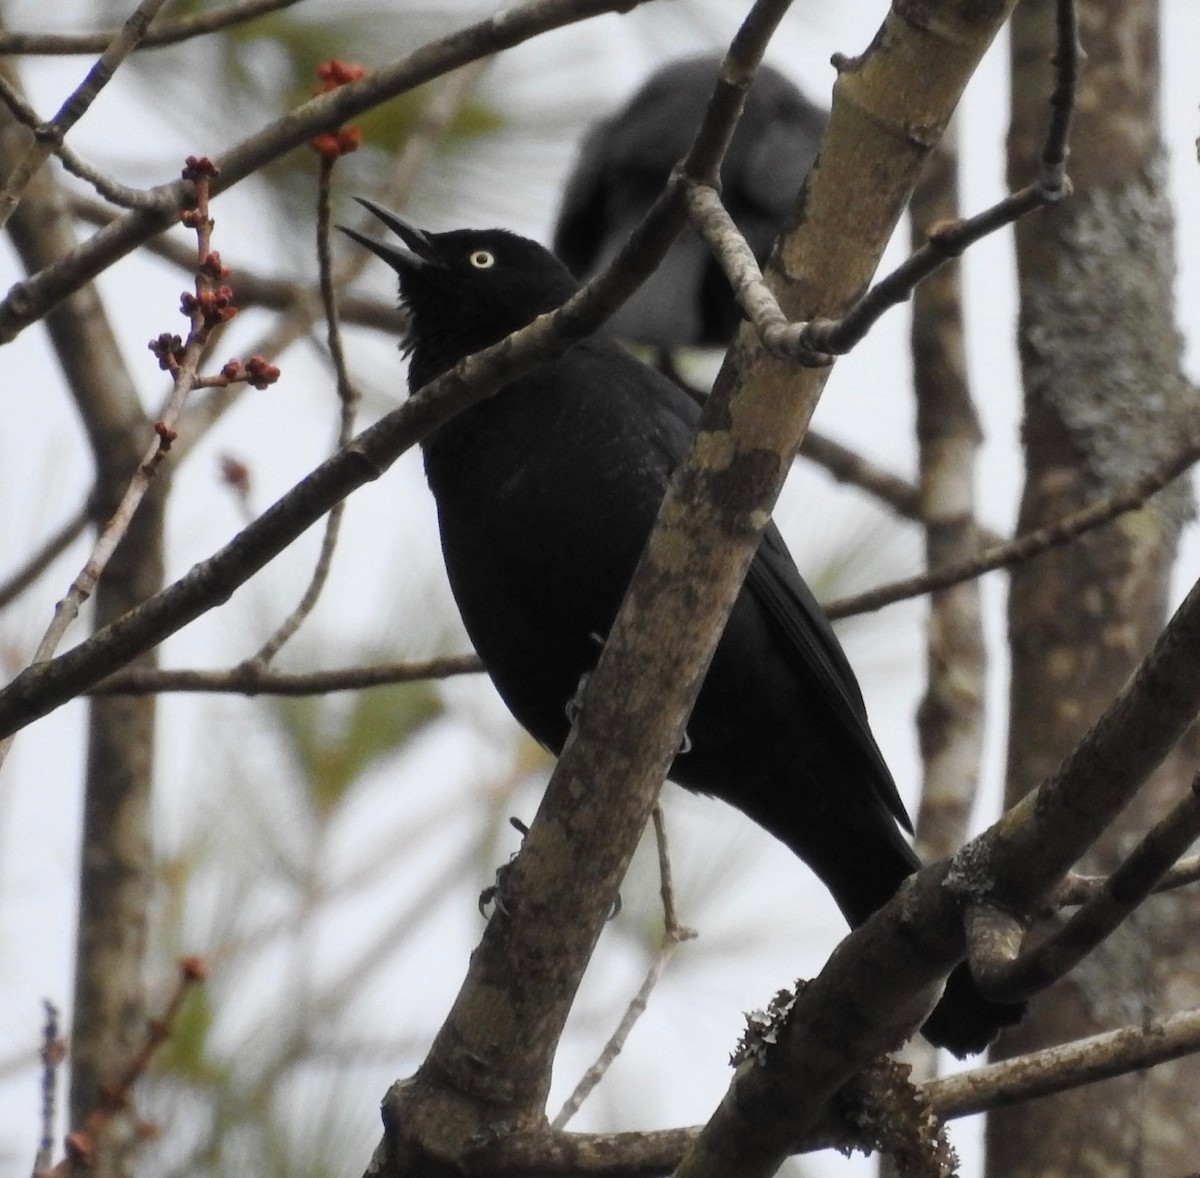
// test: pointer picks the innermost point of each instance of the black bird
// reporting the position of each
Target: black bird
(624, 163)
(546, 493)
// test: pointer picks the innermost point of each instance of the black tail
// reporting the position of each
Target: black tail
(863, 871)
(964, 1021)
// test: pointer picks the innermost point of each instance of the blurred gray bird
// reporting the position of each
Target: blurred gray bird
(624, 163)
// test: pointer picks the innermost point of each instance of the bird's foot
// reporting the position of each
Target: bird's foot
(493, 894)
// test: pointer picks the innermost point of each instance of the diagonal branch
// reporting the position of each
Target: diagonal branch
(251, 679)
(43, 687)
(163, 33)
(47, 135)
(814, 342)
(29, 300)
(1027, 1077)
(1016, 978)
(1029, 545)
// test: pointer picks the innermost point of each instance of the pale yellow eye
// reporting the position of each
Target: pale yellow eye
(482, 259)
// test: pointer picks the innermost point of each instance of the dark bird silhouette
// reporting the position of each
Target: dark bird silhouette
(546, 493)
(624, 163)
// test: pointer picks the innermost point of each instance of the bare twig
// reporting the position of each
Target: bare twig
(673, 930)
(817, 341)
(80, 1142)
(47, 135)
(1029, 545)
(713, 222)
(348, 397)
(616, 1041)
(163, 33)
(1080, 889)
(674, 934)
(250, 679)
(118, 194)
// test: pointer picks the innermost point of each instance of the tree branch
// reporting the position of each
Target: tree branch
(1009, 978)
(1029, 545)
(1027, 1077)
(29, 300)
(46, 135)
(164, 33)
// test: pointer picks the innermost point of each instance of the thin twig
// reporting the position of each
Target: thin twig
(1080, 889)
(249, 679)
(47, 135)
(164, 33)
(54, 1051)
(818, 341)
(616, 1041)
(106, 186)
(674, 934)
(348, 397)
(713, 222)
(114, 1099)
(203, 324)
(1027, 546)
(673, 929)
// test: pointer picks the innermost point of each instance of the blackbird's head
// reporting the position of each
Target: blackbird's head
(465, 289)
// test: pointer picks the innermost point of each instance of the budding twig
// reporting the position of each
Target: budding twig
(80, 1143)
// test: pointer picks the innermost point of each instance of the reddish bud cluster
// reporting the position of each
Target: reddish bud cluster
(212, 267)
(329, 145)
(169, 350)
(256, 372)
(166, 435)
(336, 73)
(194, 219)
(199, 167)
(213, 306)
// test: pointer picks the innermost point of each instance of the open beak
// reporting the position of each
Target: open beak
(417, 252)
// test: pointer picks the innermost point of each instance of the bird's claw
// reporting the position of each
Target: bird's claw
(492, 893)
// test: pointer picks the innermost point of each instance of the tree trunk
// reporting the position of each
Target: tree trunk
(1104, 401)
